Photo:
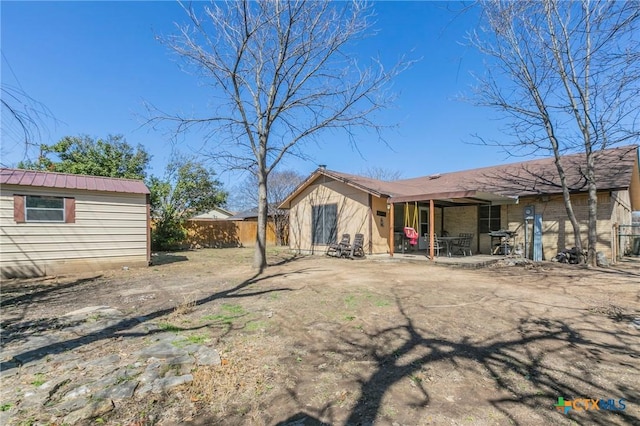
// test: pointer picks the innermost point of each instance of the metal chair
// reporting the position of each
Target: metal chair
(437, 245)
(463, 244)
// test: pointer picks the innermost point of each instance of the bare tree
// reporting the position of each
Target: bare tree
(285, 73)
(25, 118)
(281, 184)
(566, 77)
(381, 173)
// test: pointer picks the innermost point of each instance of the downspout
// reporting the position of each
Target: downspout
(391, 222)
(432, 219)
(370, 224)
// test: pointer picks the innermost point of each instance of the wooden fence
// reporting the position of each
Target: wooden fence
(225, 233)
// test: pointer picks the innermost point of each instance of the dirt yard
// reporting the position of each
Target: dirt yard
(318, 340)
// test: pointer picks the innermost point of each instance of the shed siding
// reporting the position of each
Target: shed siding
(110, 230)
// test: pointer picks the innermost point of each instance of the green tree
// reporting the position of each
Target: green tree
(188, 188)
(83, 155)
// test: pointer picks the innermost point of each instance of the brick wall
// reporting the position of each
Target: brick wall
(557, 232)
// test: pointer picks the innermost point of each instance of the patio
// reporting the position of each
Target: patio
(466, 262)
(440, 232)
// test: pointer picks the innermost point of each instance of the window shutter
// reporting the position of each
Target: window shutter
(70, 210)
(18, 208)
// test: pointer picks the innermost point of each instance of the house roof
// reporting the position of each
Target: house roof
(250, 214)
(245, 214)
(614, 168)
(215, 213)
(36, 178)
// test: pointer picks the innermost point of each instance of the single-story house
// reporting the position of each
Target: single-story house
(56, 223)
(216, 213)
(507, 197)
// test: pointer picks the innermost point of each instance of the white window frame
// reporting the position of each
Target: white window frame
(27, 209)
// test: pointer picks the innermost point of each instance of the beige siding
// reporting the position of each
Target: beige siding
(620, 215)
(380, 226)
(634, 188)
(353, 213)
(110, 230)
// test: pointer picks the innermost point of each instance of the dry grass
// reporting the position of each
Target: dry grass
(237, 385)
(187, 306)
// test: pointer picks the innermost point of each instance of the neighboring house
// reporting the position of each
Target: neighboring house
(250, 214)
(55, 223)
(216, 213)
(238, 230)
(328, 204)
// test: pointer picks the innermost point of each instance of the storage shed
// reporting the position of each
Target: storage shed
(56, 223)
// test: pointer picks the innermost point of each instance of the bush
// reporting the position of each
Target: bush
(168, 234)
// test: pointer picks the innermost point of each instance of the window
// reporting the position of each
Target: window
(36, 208)
(488, 218)
(324, 224)
(44, 209)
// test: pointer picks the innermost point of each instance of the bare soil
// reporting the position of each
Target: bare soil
(317, 340)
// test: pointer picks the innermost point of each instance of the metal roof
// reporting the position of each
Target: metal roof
(42, 179)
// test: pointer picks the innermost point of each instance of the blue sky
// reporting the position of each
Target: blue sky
(95, 64)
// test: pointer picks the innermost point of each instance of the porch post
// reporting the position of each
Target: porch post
(391, 222)
(432, 218)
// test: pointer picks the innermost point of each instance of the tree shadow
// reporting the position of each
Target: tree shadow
(302, 419)
(37, 292)
(165, 258)
(520, 362)
(119, 329)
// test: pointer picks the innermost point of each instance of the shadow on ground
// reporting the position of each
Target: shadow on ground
(119, 329)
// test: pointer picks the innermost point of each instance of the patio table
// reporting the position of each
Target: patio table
(448, 242)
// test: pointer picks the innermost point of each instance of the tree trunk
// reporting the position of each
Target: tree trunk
(566, 196)
(592, 235)
(260, 253)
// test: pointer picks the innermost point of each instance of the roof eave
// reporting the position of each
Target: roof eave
(286, 204)
(479, 197)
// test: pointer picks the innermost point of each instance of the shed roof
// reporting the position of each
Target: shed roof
(42, 179)
(614, 170)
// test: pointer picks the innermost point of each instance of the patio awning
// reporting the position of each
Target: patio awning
(457, 198)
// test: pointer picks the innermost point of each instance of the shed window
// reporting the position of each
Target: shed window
(488, 218)
(37, 208)
(325, 218)
(44, 209)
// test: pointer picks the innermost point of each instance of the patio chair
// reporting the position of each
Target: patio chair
(463, 244)
(339, 248)
(357, 248)
(437, 244)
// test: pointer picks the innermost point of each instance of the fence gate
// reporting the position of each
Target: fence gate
(629, 240)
